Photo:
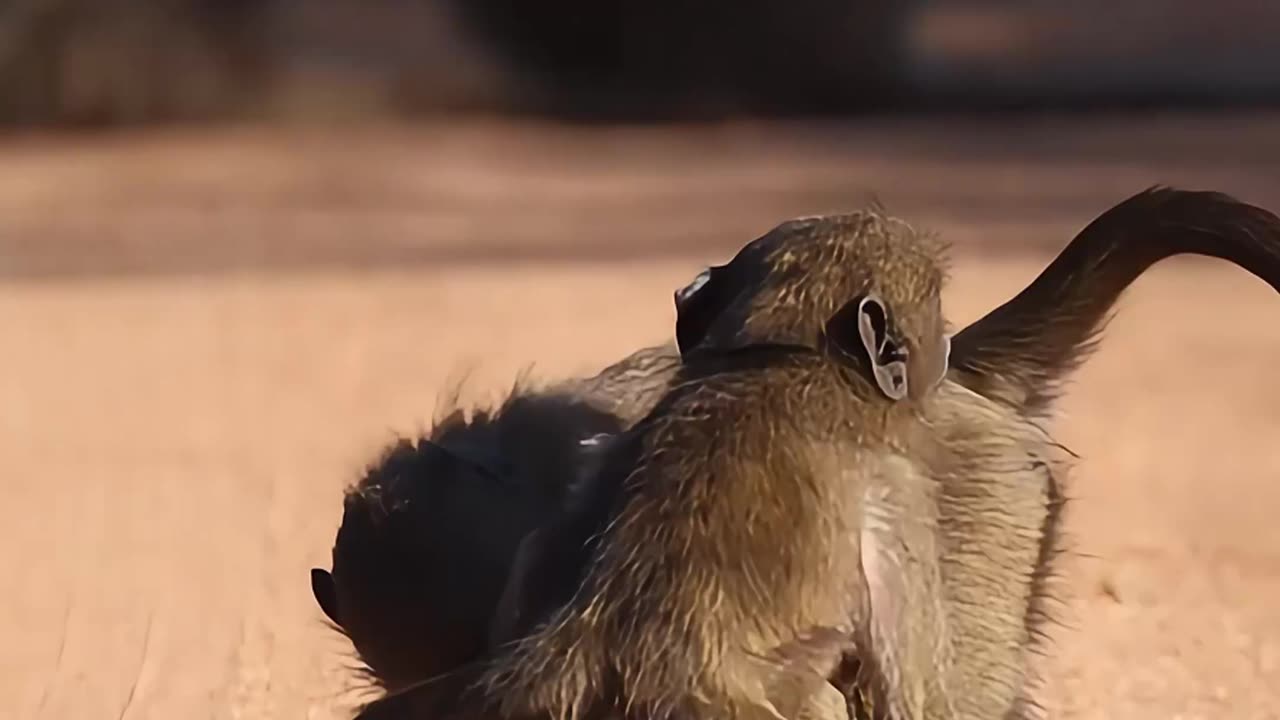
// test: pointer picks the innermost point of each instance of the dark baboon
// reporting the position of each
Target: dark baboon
(427, 535)
(996, 475)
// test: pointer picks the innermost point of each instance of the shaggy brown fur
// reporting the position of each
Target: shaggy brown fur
(773, 508)
(1021, 354)
(686, 572)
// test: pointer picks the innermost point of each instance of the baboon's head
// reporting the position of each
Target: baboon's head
(425, 544)
(429, 533)
(866, 284)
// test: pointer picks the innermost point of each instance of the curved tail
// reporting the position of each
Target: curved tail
(1021, 352)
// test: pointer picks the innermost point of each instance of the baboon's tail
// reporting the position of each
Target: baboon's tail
(1021, 352)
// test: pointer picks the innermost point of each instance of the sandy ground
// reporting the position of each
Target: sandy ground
(177, 420)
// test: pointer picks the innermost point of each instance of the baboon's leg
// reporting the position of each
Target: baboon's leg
(908, 638)
(998, 523)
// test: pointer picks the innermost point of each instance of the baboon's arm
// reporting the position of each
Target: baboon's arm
(1021, 352)
(630, 387)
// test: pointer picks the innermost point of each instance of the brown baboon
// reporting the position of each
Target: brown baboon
(763, 517)
(1019, 355)
(617, 564)
(427, 535)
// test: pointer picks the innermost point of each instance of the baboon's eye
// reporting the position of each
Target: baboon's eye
(880, 352)
(698, 304)
(686, 292)
(595, 440)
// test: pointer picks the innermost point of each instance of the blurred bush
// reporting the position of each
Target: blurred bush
(123, 61)
(656, 58)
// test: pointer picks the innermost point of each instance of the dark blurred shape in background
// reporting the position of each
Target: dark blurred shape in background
(97, 62)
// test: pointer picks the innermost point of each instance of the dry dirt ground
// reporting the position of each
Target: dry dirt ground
(206, 336)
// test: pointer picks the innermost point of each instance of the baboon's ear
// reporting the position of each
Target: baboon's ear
(326, 594)
(862, 331)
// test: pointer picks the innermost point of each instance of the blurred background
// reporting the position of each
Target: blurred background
(95, 62)
(243, 243)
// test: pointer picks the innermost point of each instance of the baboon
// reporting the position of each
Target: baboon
(763, 518)
(1019, 356)
(427, 535)
(660, 566)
